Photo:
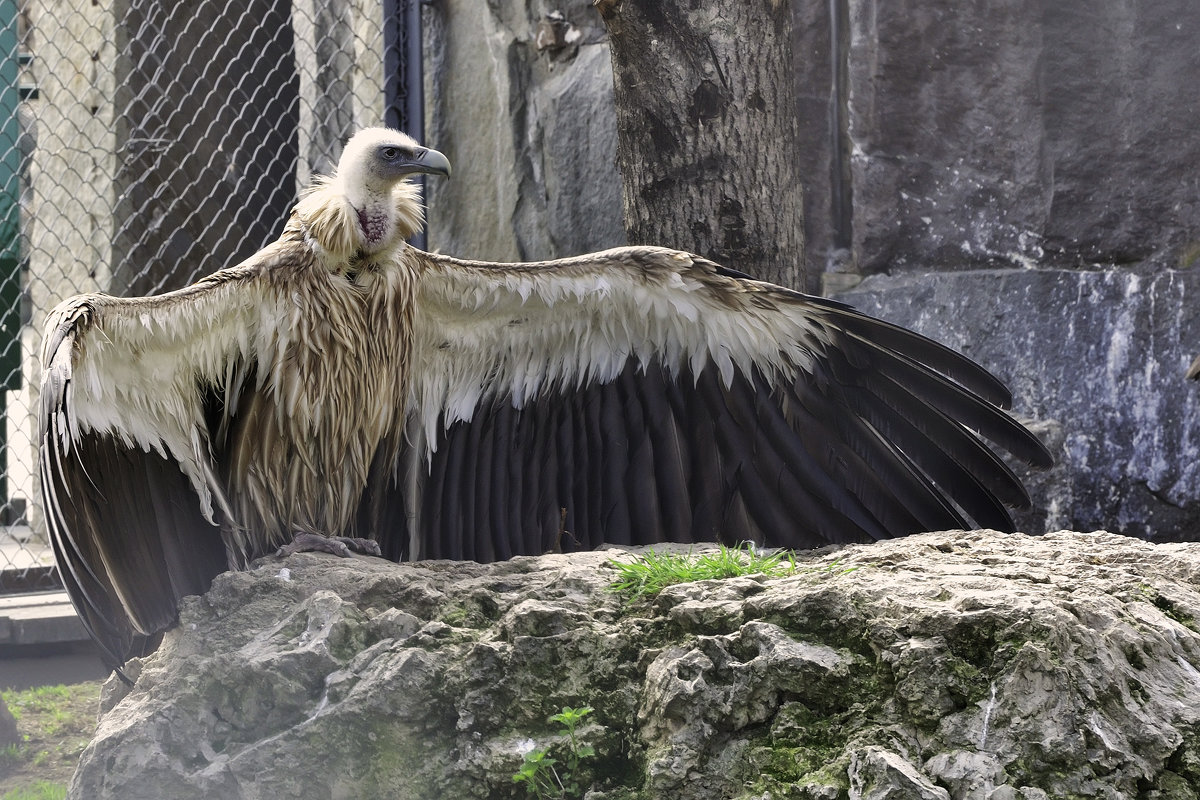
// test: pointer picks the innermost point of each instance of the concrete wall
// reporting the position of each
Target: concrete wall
(67, 205)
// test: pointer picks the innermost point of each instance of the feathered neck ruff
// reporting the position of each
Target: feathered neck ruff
(342, 231)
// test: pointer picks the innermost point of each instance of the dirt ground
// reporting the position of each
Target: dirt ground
(55, 723)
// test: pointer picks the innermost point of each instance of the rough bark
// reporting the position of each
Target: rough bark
(708, 132)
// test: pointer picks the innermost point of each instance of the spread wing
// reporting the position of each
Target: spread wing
(130, 391)
(641, 395)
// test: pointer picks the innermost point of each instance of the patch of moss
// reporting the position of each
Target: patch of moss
(976, 642)
(1171, 786)
(965, 684)
(476, 610)
(804, 747)
(1185, 761)
(458, 616)
(845, 630)
(1189, 254)
(347, 639)
(788, 765)
(1168, 607)
(394, 763)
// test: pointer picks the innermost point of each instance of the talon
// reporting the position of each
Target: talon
(314, 543)
(368, 547)
(341, 546)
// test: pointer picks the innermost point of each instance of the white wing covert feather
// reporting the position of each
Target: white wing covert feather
(127, 472)
(130, 367)
(522, 331)
(643, 394)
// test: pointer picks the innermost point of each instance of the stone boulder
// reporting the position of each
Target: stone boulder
(9, 733)
(957, 664)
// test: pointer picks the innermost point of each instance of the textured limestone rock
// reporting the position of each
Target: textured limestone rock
(968, 665)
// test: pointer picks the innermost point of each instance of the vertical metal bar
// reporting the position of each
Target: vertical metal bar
(841, 186)
(10, 198)
(10, 229)
(404, 77)
(393, 63)
(414, 74)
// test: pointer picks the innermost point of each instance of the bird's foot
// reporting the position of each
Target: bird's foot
(337, 545)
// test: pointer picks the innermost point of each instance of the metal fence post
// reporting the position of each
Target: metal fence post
(404, 79)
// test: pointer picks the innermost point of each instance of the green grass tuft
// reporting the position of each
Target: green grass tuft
(652, 572)
(40, 790)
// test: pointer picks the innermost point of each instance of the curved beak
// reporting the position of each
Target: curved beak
(430, 162)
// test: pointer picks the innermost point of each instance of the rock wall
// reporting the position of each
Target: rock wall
(1041, 152)
(519, 97)
(967, 665)
(1098, 358)
(1010, 133)
(71, 159)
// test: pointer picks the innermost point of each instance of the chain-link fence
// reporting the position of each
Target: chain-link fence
(144, 143)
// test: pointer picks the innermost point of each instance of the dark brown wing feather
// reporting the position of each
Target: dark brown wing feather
(125, 523)
(885, 433)
(647, 458)
(160, 546)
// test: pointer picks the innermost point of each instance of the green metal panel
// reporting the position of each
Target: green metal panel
(10, 195)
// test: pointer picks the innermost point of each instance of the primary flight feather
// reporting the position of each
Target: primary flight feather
(342, 389)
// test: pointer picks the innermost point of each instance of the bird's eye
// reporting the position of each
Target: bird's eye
(390, 153)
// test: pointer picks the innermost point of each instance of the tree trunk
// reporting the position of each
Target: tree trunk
(708, 131)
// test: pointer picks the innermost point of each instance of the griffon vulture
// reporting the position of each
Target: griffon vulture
(340, 383)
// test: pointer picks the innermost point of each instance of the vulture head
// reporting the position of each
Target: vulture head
(369, 207)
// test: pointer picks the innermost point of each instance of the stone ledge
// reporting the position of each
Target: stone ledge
(42, 618)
